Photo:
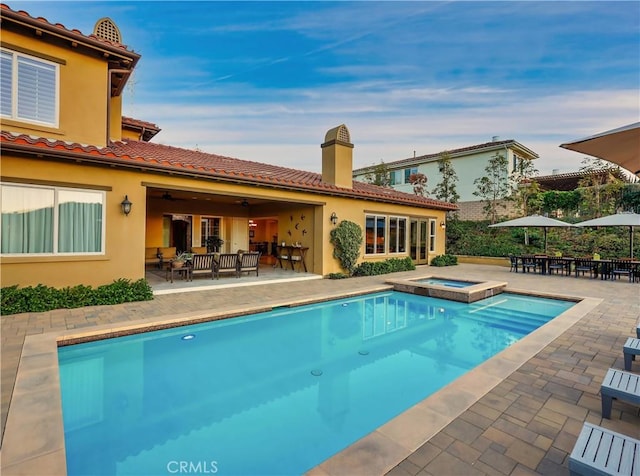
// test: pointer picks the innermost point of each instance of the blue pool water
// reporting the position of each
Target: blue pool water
(274, 393)
(452, 283)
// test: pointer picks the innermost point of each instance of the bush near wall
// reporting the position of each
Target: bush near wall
(42, 298)
(391, 265)
(444, 260)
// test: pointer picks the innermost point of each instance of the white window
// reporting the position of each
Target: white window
(29, 88)
(397, 235)
(375, 231)
(51, 220)
(432, 236)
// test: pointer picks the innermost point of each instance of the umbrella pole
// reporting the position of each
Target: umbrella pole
(631, 242)
(545, 239)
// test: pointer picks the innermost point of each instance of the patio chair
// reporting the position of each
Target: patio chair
(225, 263)
(249, 262)
(530, 263)
(621, 267)
(202, 264)
(559, 265)
(583, 265)
(513, 260)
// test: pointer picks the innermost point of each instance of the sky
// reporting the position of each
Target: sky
(264, 81)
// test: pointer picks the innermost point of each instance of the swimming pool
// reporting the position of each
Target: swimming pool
(278, 392)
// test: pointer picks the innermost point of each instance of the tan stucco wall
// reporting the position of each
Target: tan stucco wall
(124, 241)
(83, 94)
(127, 237)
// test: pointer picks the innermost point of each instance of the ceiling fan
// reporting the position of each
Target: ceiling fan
(244, 202)
(169, 197)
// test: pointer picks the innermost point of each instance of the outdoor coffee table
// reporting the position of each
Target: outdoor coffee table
(184, 270)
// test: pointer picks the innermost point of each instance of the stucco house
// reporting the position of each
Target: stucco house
(469, 164)
(70, 160)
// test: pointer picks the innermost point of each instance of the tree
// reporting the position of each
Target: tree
(524, 184)
(494, 188)
(379, 175)
(600, 187)
(445, 190)
(419, 182)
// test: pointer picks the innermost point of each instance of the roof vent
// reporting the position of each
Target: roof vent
(107, 30)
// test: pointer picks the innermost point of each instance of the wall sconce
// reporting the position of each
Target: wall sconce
(126, 205)
(443, 225)
(333, 218)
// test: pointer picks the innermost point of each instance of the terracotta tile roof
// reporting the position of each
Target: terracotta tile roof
(7, 11)
(168, 159)
(149, 130)
(452, 153)
(138, 123)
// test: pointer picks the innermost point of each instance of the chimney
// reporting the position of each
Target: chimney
(337, 157)
(495, 138)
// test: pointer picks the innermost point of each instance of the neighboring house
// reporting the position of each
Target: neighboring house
(70, 160)
(469, 164)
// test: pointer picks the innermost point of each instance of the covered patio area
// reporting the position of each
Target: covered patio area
(267, 274)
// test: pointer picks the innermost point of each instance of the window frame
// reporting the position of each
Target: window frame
(204, 230)
(56, 220)
(376, 219)
(14, 85)
(432, 235)
(397, 235)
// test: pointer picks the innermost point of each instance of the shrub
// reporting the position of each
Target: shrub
(444, 260)
(346, 239)
(337, 276)
(44, 298)
(391, 265)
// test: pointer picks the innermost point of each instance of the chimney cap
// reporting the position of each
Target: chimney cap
(340, 134)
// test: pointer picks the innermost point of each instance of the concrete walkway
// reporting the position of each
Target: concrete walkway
(526, 424)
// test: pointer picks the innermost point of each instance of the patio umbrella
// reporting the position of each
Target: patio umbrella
(535, 221)
(619, 219)
(620, 146)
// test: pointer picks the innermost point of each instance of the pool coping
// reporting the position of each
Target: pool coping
(34, 435)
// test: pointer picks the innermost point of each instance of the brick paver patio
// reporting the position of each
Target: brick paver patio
(526, 424)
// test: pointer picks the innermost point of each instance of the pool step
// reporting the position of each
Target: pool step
(504, 320)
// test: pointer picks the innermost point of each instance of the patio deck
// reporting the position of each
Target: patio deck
(526, 423)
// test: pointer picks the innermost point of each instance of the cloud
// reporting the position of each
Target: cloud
(290, 136)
